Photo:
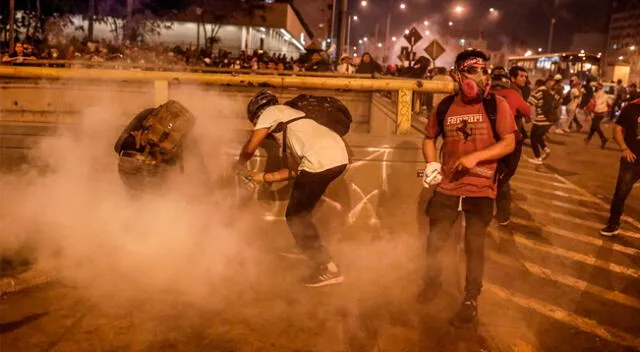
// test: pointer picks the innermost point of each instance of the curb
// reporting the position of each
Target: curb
(30, 278)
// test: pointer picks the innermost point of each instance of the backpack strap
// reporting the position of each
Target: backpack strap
(490, 105)
(442, 110)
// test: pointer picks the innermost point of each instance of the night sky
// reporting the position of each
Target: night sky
(523, 21)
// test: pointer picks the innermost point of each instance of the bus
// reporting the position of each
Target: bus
(567, 64)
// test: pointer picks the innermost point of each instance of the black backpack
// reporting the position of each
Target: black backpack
(327, 111)
(490, 105)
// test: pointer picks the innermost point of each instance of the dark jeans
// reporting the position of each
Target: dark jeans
(507, 169)
(443, 213)
(595, 127)
(308, 188)
(537, 138)
(628, 175)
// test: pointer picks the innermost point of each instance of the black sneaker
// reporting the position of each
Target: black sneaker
(293, 252)
(323, 277)
(610, 230)
(466, 314)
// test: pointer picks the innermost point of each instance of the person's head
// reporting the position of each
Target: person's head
(549, 82)
(366, 57)
(557, 78)
(599, 86)
(499, 77)
(271, 65)
(518, 76)
(471, 74)
(18, 48)
(539, 83)
(280, 66)
(345, 59)
(316, 56)
(619, 82)
(258, 103)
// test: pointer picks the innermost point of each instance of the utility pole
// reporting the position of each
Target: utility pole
(12, 15)
(342, 15)
(91, 14)
(554, 12)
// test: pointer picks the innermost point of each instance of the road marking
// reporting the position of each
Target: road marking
(534, 179)
(567, 317)
(581, 285)
(578, 237)
(567, 205)
(621, 269)
(576, 220)
(536, 173)
(598, 200)
(520, 185)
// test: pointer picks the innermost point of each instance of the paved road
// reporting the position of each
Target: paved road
(552, 284)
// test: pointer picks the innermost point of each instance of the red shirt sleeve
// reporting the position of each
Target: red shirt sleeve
(521, 105)
(505, 122)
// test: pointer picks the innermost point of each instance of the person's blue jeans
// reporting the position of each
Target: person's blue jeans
(443, 212)
(628, 175)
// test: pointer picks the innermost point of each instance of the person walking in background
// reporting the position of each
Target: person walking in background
(575, 95)
(626, 133)
(599, 113)
(546, 108)
(500, 86)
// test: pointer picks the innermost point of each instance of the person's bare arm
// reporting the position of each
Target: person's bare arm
(618, 135)
(429, 150)
(250, 147)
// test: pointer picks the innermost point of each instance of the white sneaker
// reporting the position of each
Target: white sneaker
(546, 153)
(558, 131)
(536, 161)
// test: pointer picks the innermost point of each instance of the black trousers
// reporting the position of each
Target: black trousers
(595, 127)
(628, 175)
(507, 169)
(537, 138)
(443, 212)
(308, 188)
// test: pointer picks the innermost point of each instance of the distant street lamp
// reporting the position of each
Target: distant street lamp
(379, 45)
(450, 24)
(406, 31)
(403, 6)
(394, 38)
(426, 23)
(539, 50)
(458, 9)
(363, 3)
(632, 48)
(492, 10)
(427, 32)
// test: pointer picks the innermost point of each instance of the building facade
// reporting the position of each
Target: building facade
(279, 30)
(623, 43)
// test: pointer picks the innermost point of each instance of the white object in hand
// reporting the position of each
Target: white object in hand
(432, 174)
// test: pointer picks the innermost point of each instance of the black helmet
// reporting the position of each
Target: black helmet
(258, 103)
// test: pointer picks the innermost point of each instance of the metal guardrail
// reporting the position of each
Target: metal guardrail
(162, 79)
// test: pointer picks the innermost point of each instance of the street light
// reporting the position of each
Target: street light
(426, 23)
(539, 50)
(403, 6)
(450, 24)
(363, 3)
(427, 32)
(492, 10)
(406, 31)
(458, 9)
(355, 18)
(379, 45)
(394, 38)
(632, 48)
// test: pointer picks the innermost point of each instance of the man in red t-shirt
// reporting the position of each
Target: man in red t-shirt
(501, 86)
(466, 179)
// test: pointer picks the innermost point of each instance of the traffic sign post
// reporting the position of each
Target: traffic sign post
(413, 37)
(434, 50)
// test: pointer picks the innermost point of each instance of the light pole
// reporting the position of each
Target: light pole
(552, 24)
(388, 29)
(355, 18)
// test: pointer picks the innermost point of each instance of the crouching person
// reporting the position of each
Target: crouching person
(316, 156)
(152, 145)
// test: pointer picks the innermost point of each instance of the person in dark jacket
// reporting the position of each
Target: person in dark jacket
(368, 65)
(546, 104)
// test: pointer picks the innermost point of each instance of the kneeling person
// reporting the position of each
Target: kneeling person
(152, 144)
(317, 156)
